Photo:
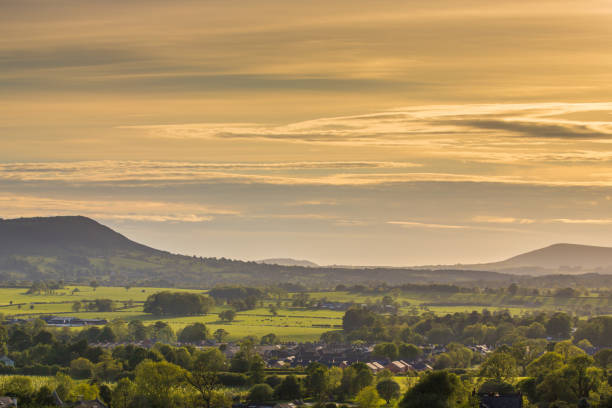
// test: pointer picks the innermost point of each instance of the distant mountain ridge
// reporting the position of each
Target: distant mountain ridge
(79, 249)
(563, 255)
(289, 262)
(557, 258)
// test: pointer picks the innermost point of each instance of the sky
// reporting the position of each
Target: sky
(344, 132)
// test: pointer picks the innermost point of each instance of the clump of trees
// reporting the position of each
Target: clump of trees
(239, 297)
(177, 303)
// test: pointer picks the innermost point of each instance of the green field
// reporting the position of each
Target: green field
(290, 323)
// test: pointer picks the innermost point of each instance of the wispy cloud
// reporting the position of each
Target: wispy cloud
(402, 126)
(14, 205)
(600, 221)
(298, 173)
(414, 224)
(502, 220)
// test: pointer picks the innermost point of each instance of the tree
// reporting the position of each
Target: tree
(159, 382)
(316, 380)
(194, 333)
(368, 398)
(439, 389)
(559, 325)
(388, 389)
(386, 350)
(536, 330)
(204, 375)
(500, 366)
(603, 358)
(567, 350)
(137, 330)
(76, 306)
(177, 303)
(81, 368)
(220, 335)
(94, 285)
(18, 387)
(545, 364)
(409, 352)
(260, 393)
(289, 388)
(357, 318)
(273, 309)
(270, 339)
(107, 335)
(227, 315)
(123, 393)
(582, 377)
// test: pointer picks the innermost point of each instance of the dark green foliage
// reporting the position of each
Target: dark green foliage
(289, 388)
(260, 393)
(439, 389)
(388, 389)
(273, 380)
(559, 325)
(194, 333)
(597, 330)
(177, 304)
(227, 315)
(357, 318)
(233, 379)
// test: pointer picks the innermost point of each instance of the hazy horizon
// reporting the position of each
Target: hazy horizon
(352, 133)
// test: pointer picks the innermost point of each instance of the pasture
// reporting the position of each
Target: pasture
(290, 323)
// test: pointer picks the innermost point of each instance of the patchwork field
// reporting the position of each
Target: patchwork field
(290, 323)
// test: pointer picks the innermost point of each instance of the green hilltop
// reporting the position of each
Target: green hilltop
(79, 249)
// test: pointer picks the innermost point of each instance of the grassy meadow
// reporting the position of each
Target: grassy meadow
(290, 323)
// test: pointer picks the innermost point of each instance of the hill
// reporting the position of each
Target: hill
(553, 259)
(563, 256)
(79, 249)
(57, 235)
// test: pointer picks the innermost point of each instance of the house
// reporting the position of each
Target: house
(80, 404)
(501, 401)
(421, 366)
(8, 402)
(375, 366)
(7, 361)
(398, 367)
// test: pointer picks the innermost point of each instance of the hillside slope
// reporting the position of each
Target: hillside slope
(553, 259)
(563, 255)
(78, 249)
(56, 235)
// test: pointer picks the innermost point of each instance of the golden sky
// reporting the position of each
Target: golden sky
(344, 132)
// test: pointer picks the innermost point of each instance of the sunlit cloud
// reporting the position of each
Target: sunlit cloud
(605, 221)
(502, 220)
(414, 224)
(14, 206)
(539, 120)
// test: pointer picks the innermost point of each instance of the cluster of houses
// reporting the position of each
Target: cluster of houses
(400, 366)
(302, 354)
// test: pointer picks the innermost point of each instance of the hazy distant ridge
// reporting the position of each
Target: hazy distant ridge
(289, 262)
